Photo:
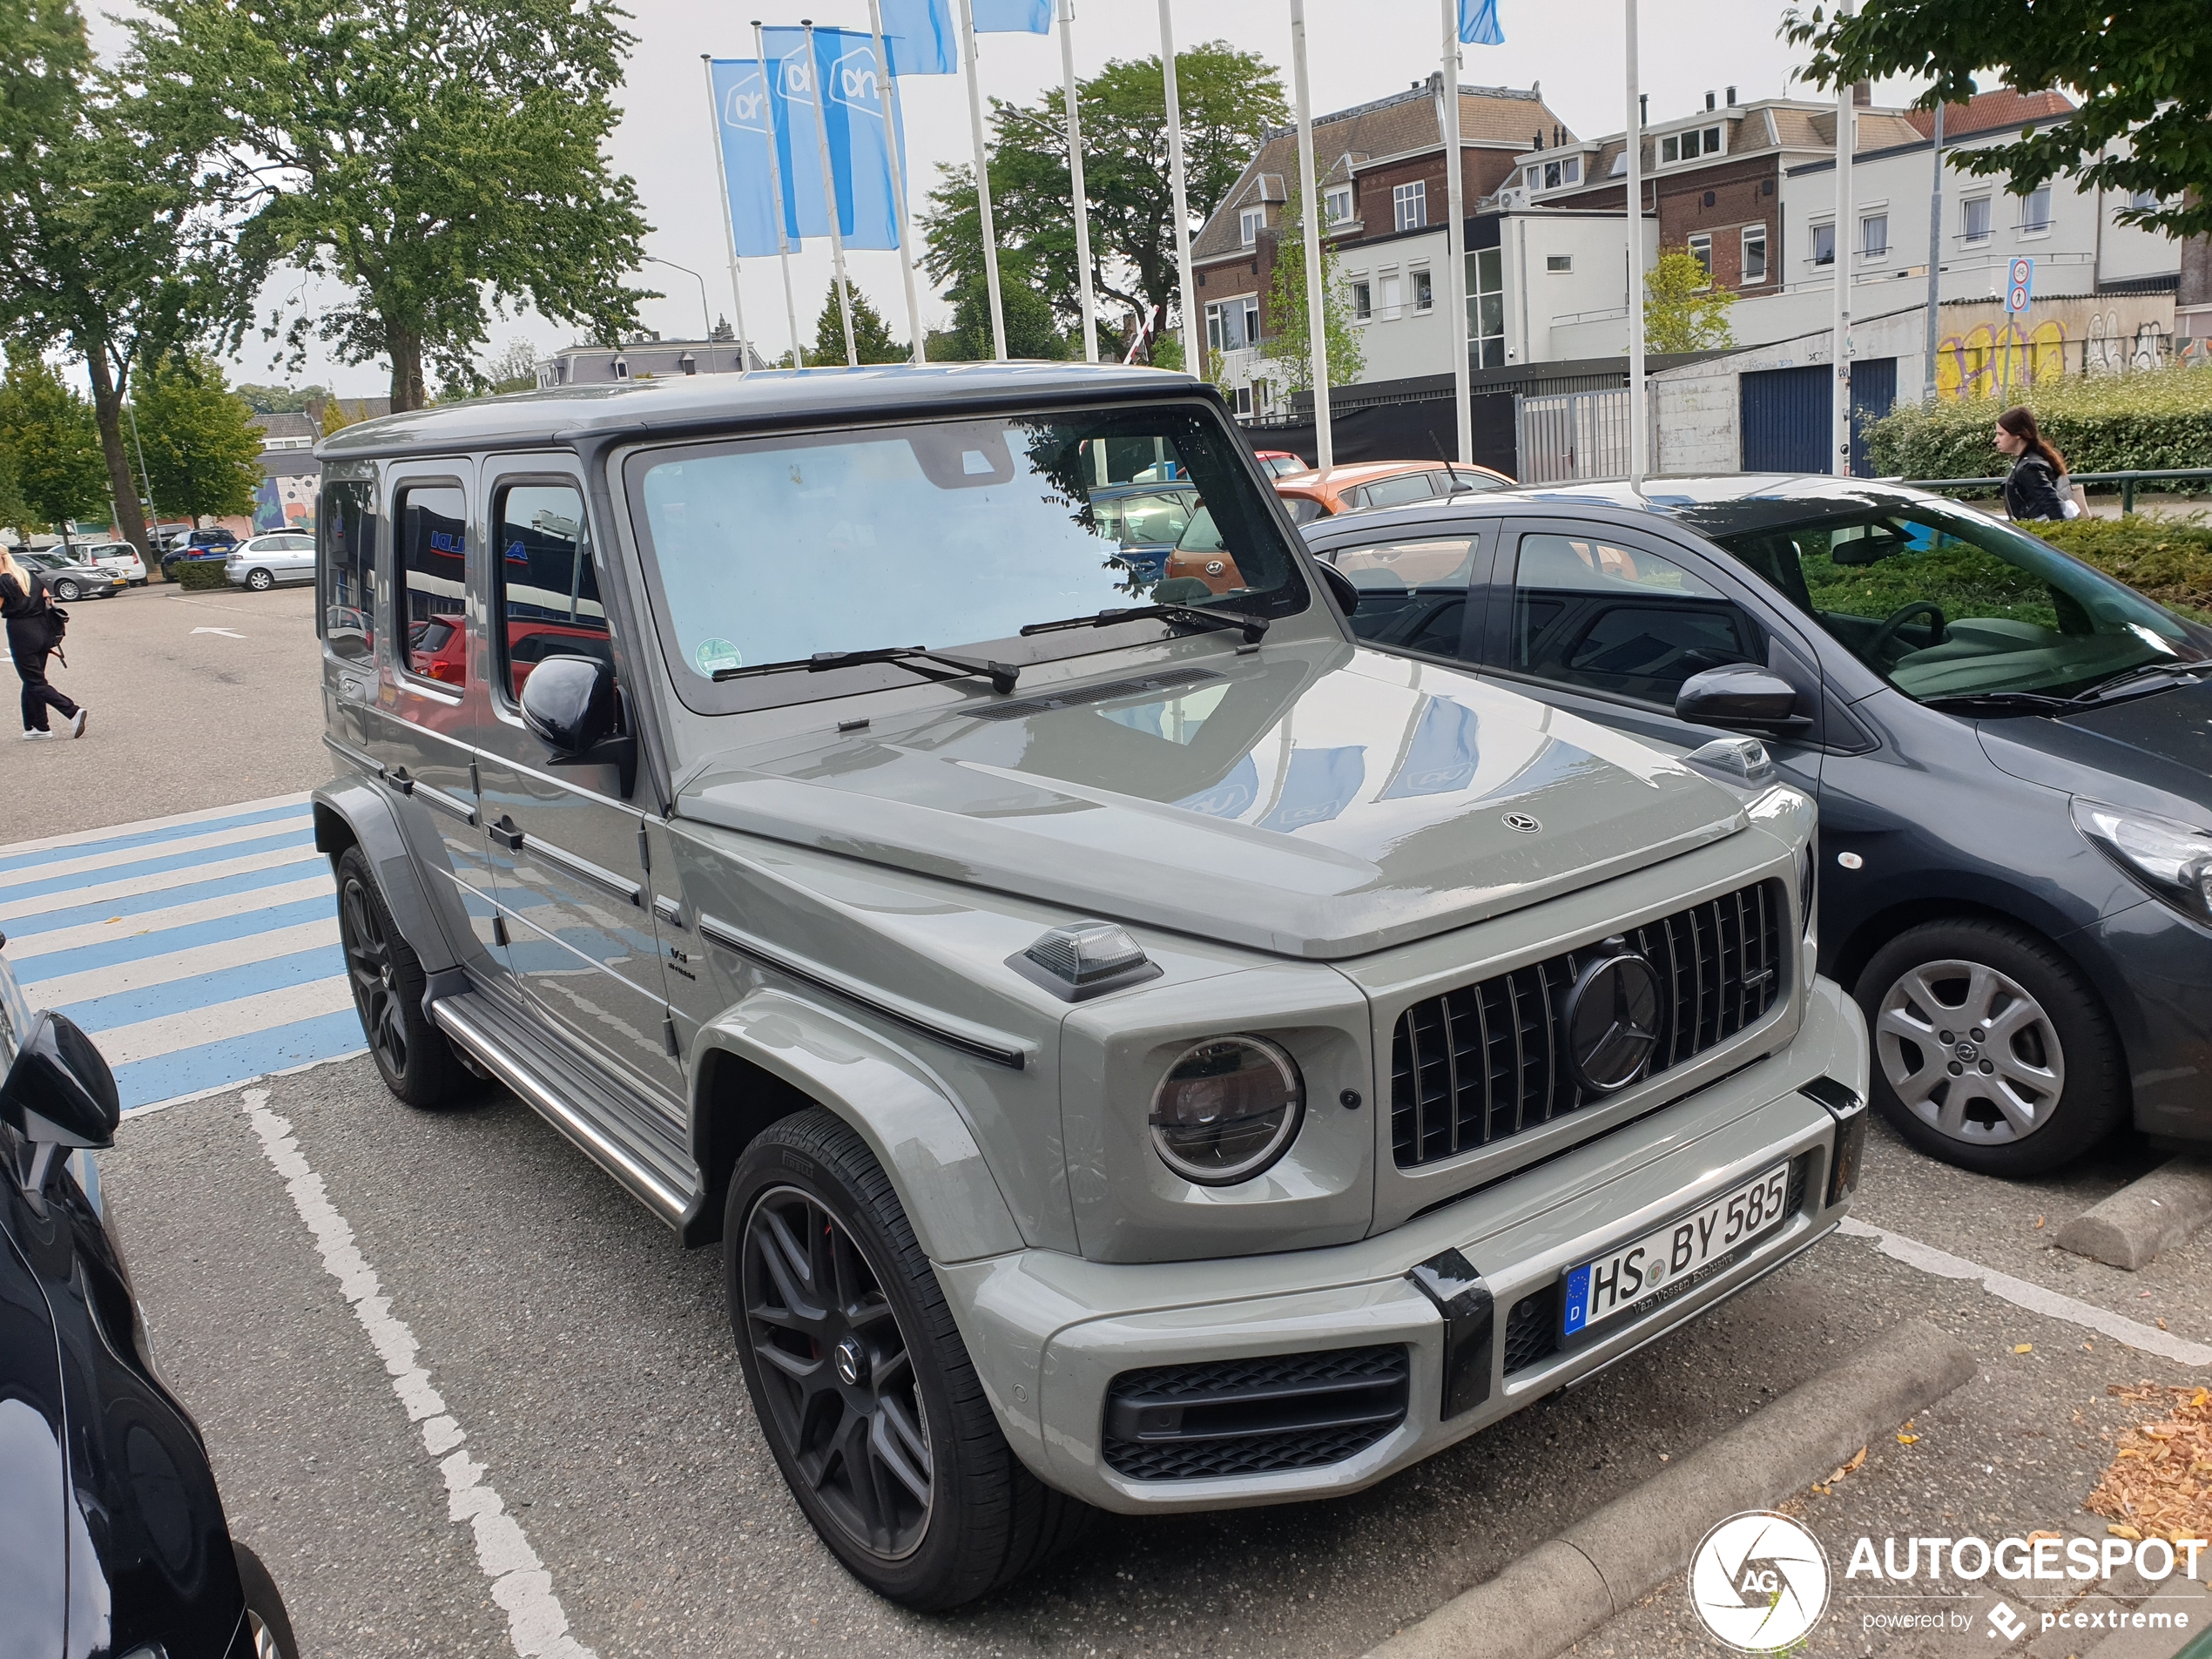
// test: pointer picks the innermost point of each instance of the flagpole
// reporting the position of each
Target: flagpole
(729, 229)
(1316, 330)
(1194, 362)
(888, 84)
(1637, 453)
(776, 192)
(1455, 238)
(1075, 177)
(1839, 417)
(829, 192)
(983, 183)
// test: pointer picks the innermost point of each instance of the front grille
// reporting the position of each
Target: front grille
(1487, 1060)
(1252, 1416)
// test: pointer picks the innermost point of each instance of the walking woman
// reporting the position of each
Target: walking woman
(2036, 487)
(33, 630)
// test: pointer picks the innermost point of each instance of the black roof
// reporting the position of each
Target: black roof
(764, 397)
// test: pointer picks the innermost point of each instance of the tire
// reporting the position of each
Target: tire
(416, 1061)
(67, 591)
(944, 1511)
(268, 1625)
(2018, 1093)
(259, 580)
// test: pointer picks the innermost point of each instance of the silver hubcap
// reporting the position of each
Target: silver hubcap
(1970, 1053)
(264, 1641)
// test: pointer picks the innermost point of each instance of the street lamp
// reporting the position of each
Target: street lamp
(696, 277)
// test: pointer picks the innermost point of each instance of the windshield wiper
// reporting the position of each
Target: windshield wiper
(1255, 628)
(2135, 678)
(2000, 703)
(1003, 676)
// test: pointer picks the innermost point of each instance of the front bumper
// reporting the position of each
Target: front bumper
(1049, 1332)
(2153, 967)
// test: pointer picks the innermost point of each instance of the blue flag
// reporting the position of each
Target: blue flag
(1012, 17)
(1478, 24)
(921, 37)
(1440, 760)
(741, 109)
(791, 107)
(1319, 785)
(860, 136)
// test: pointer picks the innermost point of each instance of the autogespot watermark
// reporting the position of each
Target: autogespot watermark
(1761, 1582)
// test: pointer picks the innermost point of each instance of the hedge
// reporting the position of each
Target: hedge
(2128, 422)
(198, 573)
(2167, 560)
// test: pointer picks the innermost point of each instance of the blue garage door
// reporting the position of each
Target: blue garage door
(1873, 390)
(1786, 419)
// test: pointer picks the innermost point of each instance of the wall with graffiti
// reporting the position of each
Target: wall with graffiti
(1983, 353)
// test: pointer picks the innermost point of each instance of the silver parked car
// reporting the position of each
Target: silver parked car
(261, 562)
(72, 576)
(1135, 1046)
(118, 556)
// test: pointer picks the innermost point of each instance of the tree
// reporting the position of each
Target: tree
(1032, 330)
(1228, 99)
(2142, 72)
(107, 250)
(201, 447)
(871, 334)
(1288, 341)
(1683, 308)
(52, 443)
(515, 368)
(281, 399)
(442, 162)
(333, 417)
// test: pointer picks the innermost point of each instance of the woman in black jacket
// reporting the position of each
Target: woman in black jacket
(2035, 487)
(24, 602)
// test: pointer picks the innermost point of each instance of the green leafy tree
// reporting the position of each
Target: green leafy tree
(14, 511)
(441, 162)
(515, 368)
(2141, 72)
(1683, 308)
(52, 443)
(281, 399)
(871, 334)
(106, 249)
(1228, 98)
(201, 447)
(1287, 339)
(1032, 329)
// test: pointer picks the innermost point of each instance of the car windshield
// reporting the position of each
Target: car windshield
(948, 535)
(1944, 602)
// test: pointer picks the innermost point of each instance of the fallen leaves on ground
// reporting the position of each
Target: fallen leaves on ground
(2159, 1484)
(2023, 1347)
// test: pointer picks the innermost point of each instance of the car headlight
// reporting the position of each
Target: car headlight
(2173, 860)
(1226, 1109)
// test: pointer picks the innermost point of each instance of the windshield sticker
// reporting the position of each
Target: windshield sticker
(714, 654)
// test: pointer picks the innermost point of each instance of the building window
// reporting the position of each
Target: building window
(1754, 253)
(1485, 299)
(1874, 237)
(1534, 178)
(1671, 148)
(1551, 175)
(1249, 223)
(1423, 291)
(1244, 401)
(1391, 295)
(1409, 204)
(1570, 171)
(1701, 249)
(1688, 146)
(1559, 262)
(1974, 217)
(2035, 211)
(1231, 324)
(622, 368)
(1363, 303)
(1249, 305)
(1337, 205)
(2143, 201)
(1824, 244)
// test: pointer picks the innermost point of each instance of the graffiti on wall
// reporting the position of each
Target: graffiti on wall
(1992, 358)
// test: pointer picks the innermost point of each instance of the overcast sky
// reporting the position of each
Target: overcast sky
(1357, 50)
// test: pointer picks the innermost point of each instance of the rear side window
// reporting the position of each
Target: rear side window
(431, 566)
(347, 518)
(1396, 492)
(548, 592)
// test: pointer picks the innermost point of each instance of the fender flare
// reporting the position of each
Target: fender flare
(813, 1056)
(349, 813)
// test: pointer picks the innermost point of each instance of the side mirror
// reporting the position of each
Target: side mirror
(59, 1093)
(1339, 586)
(1740, 695)
(571, 703)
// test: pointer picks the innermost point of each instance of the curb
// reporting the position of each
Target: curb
(2144, 1217)
(1604, 1563)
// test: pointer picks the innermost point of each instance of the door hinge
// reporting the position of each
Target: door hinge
(499, 930)
(645, 850)
(668, 1037)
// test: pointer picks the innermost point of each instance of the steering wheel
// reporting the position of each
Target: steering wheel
(1897, 618)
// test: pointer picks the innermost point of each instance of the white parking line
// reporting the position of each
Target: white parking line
(521, 1587)
(199, 960)
(169, 1033)
(113, 858)
(314, 885)
(2036, 1299)
(189, 875)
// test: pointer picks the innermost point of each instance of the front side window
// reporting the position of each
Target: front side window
(1411, 205)
(1944, 602)
(347, 518)
(1593, 615)
(431, 567)
(546, 593)
(771, 556)
(1755, 254)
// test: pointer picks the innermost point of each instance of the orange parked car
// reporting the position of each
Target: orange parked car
(1312, 494)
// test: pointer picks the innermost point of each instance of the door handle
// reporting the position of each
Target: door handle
(506, 833)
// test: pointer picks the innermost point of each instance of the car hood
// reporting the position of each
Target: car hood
(2153, 752)
(1318, 802)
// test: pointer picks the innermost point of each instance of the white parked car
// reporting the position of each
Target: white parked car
(264, 560)
(118, 556)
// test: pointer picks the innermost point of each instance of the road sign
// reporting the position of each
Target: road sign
(2019, 286)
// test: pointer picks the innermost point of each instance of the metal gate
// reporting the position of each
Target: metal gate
(1788, 414)
(1874, 391)
(1577, 435)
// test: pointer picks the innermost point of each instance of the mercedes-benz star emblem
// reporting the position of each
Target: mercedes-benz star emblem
(850, 1360)
(1612, 1022)
(1522, 822)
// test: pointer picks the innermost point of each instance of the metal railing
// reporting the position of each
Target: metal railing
(2126, 480)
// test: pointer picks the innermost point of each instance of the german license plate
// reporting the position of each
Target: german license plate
(1616, 1282)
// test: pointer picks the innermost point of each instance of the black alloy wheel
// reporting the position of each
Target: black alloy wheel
(414, 1057)
(840, 1382)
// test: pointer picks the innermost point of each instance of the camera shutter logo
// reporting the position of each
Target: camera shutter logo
(1759, 1581)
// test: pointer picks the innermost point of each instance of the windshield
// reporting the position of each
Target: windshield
(951, 536)
(1943, 603)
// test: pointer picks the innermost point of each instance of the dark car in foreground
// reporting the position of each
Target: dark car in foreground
(2012, 752)
(113, 1540)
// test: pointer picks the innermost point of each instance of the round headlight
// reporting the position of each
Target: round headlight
(1226, 1109)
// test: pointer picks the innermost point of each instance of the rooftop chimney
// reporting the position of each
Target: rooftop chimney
(1862, 94)
(1643, 109)
(1731, 98)
(1709, 100)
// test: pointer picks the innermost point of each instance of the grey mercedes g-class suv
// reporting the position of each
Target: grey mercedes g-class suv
(1136, 1047)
